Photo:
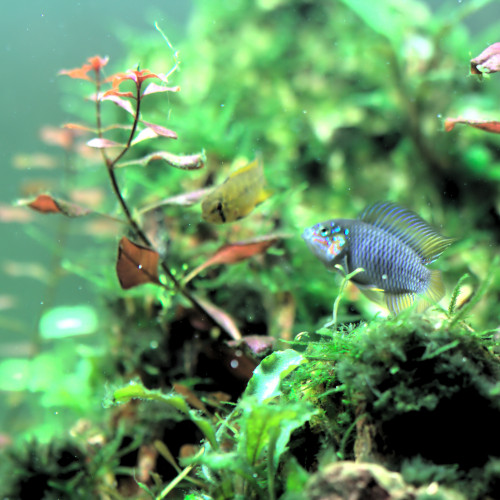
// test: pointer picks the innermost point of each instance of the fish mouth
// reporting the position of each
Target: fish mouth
(307, 234)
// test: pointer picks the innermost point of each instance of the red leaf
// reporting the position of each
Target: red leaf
(153, 88)
(116, 93)
(95, 64)
(185, 162)
(159, 130)
(221, 318)
(46, 204)
(101, 143)
(136, 264)
(236, 252)
(137, 76)
(488, 126)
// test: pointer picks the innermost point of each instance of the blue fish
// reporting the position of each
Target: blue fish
(392, 245)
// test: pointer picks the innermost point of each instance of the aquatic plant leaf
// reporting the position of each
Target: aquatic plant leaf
(486, 62)
(159, 130)
(184, 162)
(153, 88)
(33, 270)
(266, 381)
(185, 199)
(221, 318)
(100, 143)
(190, 397)
(153, 131)
(95, 63)
(136, 264)
(34, 160)
(117, 93)
(122, 103)
(135, 390)
(269, 427)
(236, 252)
(14, 214)
(486, 125)
(57, 136)
(48, 205)
(79, 126)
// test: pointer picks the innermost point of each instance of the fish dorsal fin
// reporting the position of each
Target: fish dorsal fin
(409, 228)
(256, 165)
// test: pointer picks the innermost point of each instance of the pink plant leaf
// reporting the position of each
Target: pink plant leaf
(153, 88)
(159, 130)
(184, 199)
(126, 105)
(101, 143)
(221, 318)
(184, 162)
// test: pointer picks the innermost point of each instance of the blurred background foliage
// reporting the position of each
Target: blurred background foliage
(345, 100)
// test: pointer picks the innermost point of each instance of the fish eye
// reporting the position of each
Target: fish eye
(324, 232)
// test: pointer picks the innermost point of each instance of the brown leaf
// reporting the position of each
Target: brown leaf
(190, 397)
(488, 126)
(184, 162)
(48, 205)
(236, 252)
(136, 264)
(486, 62)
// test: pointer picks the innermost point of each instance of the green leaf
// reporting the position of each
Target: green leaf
(206, 427)
(135, 390)
(265, 424)
(266, 380)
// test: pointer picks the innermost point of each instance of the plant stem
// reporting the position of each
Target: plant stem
(110, 164)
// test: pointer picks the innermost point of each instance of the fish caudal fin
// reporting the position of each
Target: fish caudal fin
(435, 291)
(432, 295)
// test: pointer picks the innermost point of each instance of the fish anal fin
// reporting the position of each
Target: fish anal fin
(397, 302)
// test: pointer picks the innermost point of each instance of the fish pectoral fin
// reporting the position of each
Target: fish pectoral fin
(264, 194)
(374, 294)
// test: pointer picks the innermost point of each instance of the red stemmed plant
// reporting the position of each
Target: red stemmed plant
(138, 261)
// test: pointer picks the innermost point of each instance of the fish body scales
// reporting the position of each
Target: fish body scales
(389, 264)
(392, 245)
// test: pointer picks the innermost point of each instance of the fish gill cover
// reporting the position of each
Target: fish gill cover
(219, 359)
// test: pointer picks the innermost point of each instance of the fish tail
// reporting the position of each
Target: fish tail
(434, 292)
